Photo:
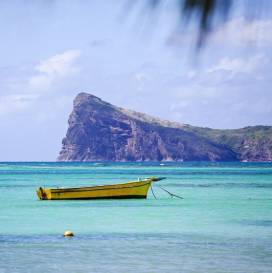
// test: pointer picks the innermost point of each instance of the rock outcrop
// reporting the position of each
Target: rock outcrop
(99, 131)
(253, 143)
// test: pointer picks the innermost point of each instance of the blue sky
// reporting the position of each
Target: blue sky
(52, 50)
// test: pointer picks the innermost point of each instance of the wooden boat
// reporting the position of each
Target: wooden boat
(134, 189)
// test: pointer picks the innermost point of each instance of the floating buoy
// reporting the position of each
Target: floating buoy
(68, 233)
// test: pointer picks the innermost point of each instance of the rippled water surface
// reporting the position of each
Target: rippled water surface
(223, 224)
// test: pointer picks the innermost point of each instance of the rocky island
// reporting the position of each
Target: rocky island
(100, 131)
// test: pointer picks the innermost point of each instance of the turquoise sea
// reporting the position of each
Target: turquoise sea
(223, 224)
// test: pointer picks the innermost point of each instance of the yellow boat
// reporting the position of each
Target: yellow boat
(134, 189)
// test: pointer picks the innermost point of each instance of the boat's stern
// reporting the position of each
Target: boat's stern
(43, 194)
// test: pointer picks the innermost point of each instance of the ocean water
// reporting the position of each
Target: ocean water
(223, 224)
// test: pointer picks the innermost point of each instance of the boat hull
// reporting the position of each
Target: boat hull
(138, 189)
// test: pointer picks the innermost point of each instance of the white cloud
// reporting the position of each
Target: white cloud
(239, 65)
(230, 87)
(21, 88)
(53, 69)
(242, 32)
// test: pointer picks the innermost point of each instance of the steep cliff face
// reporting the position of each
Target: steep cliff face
(101, 131)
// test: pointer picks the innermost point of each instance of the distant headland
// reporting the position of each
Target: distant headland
(100, 131)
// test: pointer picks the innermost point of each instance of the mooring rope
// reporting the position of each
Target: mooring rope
(153, 192)
(171, 194)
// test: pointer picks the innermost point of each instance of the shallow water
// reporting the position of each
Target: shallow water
(223, 224)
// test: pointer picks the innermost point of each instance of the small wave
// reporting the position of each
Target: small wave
(12, 186)
(259, 223)
(225, 185)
